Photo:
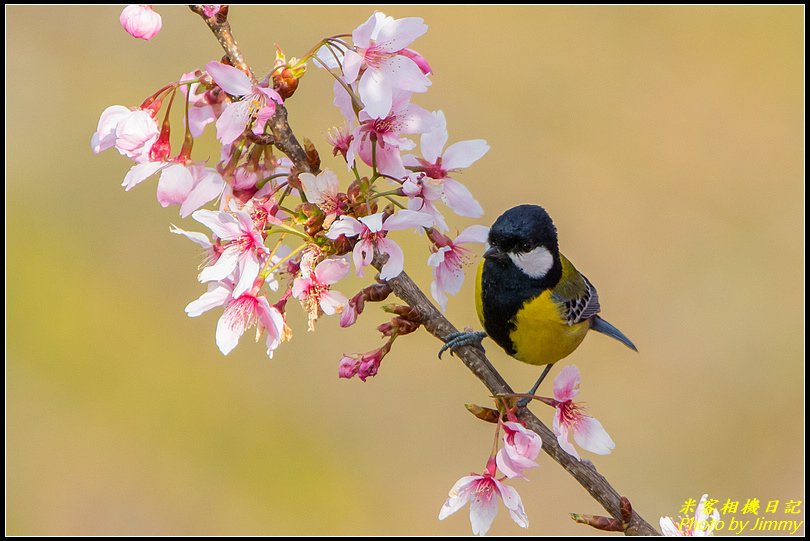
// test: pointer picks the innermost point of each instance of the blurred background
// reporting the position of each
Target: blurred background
(666, 143)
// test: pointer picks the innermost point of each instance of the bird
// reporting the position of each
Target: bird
(529, 297)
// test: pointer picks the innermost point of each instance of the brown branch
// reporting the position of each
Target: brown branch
(436, 324)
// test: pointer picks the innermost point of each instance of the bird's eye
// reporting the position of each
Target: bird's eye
(524, 247)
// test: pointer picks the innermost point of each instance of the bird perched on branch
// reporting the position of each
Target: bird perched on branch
(530, 299)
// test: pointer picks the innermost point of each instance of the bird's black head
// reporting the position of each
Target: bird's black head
(526, 237)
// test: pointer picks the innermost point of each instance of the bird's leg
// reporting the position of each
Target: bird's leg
(455, 340)
(525, 400)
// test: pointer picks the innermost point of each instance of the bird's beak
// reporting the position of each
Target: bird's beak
(493, 252)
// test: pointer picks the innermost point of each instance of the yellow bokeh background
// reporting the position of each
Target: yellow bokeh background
(666, 143)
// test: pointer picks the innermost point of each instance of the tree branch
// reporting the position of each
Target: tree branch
(436, 324)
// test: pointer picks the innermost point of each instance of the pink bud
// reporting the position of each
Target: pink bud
(348, 367)
(141, 21)
(418, 59)
(211, 9)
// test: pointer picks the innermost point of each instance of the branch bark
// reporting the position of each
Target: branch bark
(436, 324)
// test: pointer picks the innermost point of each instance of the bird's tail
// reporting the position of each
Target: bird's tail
(600, 325)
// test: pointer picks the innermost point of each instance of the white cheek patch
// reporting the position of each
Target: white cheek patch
(534, 264)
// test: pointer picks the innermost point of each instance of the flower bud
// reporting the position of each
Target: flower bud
(141, 21)
(485, 414)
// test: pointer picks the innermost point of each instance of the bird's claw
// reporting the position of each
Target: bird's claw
(456, 340)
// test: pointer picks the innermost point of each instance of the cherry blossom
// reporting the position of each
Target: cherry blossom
(131, 131)
(372, 232)
(482, 492)
(312, 288)
(241, 313)
(388, 133)
(323, 191)
(363, 365)
(588, 432)
(258, 103)
(448, 260)
(190, 185)
(438, 165)
(244, 248)
(378, 46)
(520, 449)
(141, 21)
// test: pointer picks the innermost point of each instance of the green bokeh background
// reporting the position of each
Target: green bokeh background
(666, 142)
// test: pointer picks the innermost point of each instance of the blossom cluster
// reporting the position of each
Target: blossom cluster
(278, 230)
(518, 452)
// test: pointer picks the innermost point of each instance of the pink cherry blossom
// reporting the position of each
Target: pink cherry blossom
(438, 165)
(340, 137)
(323, 191)
(372, 232)
(190, 185)
(104, 137)
(389, 133)
(258, 103)
(312, 288)
(135, 133)
(141, 21)
(241, 313)
(520, 449)
(244, 250)
(378, 46)
(701, 526)
(588, 432)
(448, 261)
(483, 491)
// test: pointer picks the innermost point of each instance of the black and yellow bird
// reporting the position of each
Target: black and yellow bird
(530, 299)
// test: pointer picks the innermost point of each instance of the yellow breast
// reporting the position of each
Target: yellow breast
(541, 336)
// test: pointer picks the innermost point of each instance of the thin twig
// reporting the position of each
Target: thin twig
(436, 324)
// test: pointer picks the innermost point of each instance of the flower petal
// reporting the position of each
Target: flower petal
(511, 499)
(193, 236)
(249, 266)
(459, 495)
(396, 260)
(223, 225)
(474, 233)
(208, 188)
(433, 141)
(591, 436)
(376, 93)
(228, 335)
(361, 36)
(140, 172)
(464, 154)
(352, 62)
(398, 34)
(332, 302)
(217, 295)
(233, 121)
(459, 198)
(223, 267)
(374, 222)
(407, 219)
(347, 226)
(174, 185)
(230, 79)
(566, 384)
(330, 271)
